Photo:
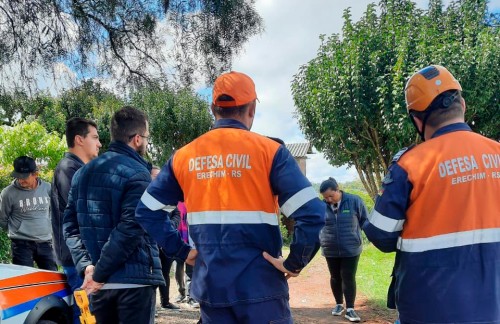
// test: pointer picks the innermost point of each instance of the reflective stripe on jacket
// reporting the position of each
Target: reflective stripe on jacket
(229, 179)
(439, 208)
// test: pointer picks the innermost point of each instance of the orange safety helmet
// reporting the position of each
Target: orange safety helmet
(425, 85)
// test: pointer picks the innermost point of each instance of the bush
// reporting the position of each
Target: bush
(31, 139)
(287, 239)
(5, 256)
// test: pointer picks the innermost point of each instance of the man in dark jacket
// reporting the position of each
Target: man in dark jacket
(83, 146)
(119, 260)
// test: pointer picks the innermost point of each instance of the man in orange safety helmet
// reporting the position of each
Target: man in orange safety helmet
(439, 211)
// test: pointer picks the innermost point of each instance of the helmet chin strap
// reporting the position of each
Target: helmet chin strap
(424, 122)
(442, 103)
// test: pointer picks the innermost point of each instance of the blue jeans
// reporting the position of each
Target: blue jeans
(75, 282)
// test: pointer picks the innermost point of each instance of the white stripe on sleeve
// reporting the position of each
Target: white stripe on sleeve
(385, 223)
(298, 200)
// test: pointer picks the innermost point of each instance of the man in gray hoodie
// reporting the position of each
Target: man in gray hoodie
(24, 213)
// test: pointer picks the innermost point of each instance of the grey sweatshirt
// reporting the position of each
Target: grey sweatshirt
(25, 212)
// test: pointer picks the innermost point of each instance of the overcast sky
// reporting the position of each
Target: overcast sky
(291, 39)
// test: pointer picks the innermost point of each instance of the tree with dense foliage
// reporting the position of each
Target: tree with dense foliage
(175, 119)
(31, 139)
(89, 100)
(125, 39)
(350, 99)
(17, 105)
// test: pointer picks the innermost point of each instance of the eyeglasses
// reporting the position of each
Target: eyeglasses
(143, 136)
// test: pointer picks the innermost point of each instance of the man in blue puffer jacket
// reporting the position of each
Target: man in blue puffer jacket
(119, 261)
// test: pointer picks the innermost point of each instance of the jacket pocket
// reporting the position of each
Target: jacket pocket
(40, 230)
(149, 253)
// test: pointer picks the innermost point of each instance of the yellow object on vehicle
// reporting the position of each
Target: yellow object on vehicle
(82, 301)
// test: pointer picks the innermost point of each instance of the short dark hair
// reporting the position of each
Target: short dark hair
(446, 106)
(329, 183)
(126, 123)
(77, 126)
(228, 112)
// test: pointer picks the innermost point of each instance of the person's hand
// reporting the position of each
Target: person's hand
(278, 264)
(191, 258)
(89, 285)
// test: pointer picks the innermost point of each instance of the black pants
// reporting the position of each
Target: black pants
(166, 264)
(343, 279)
(124, 306)
(179, 277)
(25, 252)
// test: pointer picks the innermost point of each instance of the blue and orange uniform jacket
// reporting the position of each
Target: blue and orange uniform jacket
(229, 179)
(440, 211)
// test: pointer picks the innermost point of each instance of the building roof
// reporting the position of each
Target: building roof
(299, 149)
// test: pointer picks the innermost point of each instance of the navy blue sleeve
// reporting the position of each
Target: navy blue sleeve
(71, 230)
(362, 212)
(385, 223)
(161, 197)
(297, 199)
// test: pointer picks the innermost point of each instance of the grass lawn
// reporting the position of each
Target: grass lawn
(374, 274)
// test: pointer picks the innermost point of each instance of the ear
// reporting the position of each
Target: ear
(136, 141)
(212, 108)
(78, 140)
(251, 109)
(418, 122)
(464, 106)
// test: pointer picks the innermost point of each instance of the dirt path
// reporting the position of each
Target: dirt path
(311, 301)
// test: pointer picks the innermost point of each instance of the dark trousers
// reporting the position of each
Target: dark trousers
(270, 311)
(26, 252)
(189, 276)
(179, 277)
(75, 282)
(343, 279)
(124, 306)
(166, 264)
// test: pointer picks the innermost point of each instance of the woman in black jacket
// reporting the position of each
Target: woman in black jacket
(341, 244)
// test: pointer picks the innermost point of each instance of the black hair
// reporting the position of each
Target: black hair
(77, 126)
(126, 123)
(329, 183)
(228, 112)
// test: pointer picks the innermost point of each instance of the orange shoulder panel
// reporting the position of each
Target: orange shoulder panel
(227, 169)
(456, 185)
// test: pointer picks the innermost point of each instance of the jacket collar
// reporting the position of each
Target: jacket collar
(451, 128)
(73, 157)
(122, 148)
(229, 123)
